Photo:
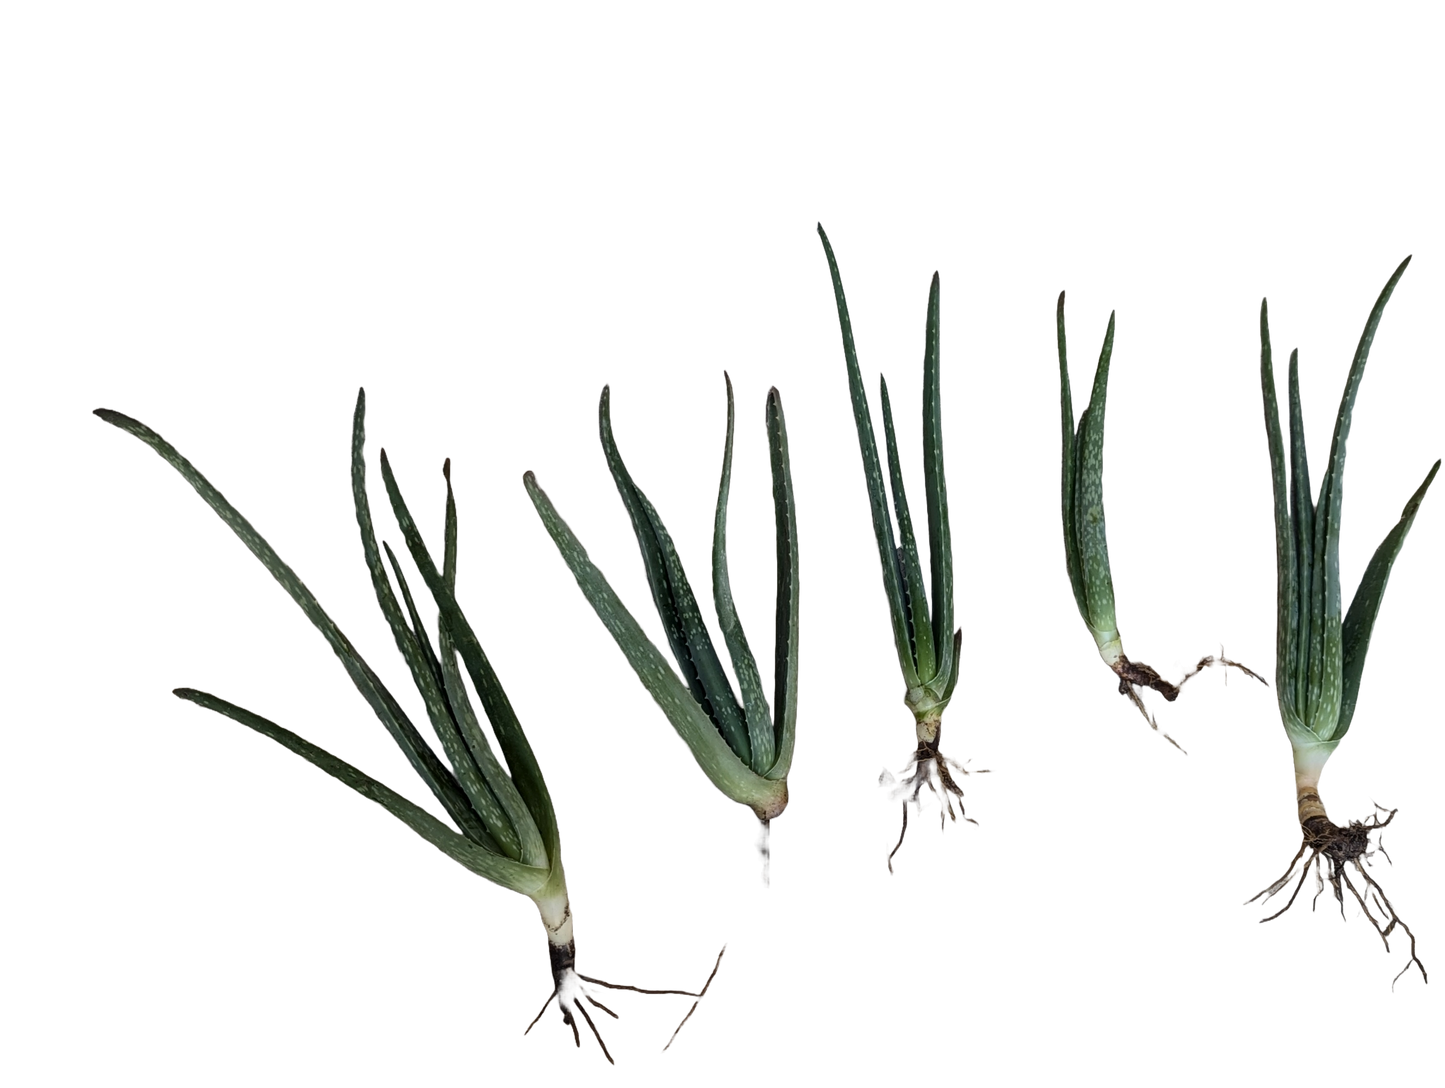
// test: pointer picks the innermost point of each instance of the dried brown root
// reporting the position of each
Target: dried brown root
(929, 763)
(570, 993)
(1333, 851)
(1136, 674)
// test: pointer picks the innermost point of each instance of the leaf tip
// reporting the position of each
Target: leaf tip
(447, 469)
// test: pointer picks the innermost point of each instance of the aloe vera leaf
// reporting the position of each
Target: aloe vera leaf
(473, 747)
(935, 491)
(1302, 515)
(1287, 587)
(948, 689)
(423, 760)
(1066, 408)
(677, 607)
(521, 762)
(1325, 674)
(1089, 498)
(761, 741)
(482, 859)
(1360, 620)
(873, 477)
(449, 547)
(717, 760)
(920, 628)
(785, 642)
(473, 727)
(433, 696)
(418, 629)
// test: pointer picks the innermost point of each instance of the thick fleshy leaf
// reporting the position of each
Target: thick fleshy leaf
(761, 739)
(1066, 409)
(418, 660)
(1302, 514)
(477, 746)
(696, 729)
(423, 760)
(873, 477)
(785, 642)
(1326, 679)
(676, 605)
(935, 491)
(483, 859)
(1287, 586)
(920, 627)
(1089, 528)
(1360, 620)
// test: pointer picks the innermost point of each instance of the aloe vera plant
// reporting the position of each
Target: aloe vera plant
(928, 645)
(1086, 545)
(745, 748)
(505, 829)
(1320, 656)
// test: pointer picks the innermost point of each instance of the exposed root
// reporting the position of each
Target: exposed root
(929, 763)
(570, 993)
(1333, 851)
(765, 849)
(1136, 674)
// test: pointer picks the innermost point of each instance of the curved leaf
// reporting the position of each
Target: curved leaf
(482, 859)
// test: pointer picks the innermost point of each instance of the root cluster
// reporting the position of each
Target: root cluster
(1333, 851)
(928, 764)
(1136, 674)
(570, 992)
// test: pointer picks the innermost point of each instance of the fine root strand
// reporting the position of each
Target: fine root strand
(700, 996)
(928, 765)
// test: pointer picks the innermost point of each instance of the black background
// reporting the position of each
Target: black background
(247, 296)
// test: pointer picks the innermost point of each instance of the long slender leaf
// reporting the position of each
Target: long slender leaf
(673, 597)
(761, 740)
(1360, 620)
(920, 627)
(521, 762)
(1287, 586)
(1325, 674)
(418, 628)
(1066, 408)
(483, 803)
(696, 729)
(477, 747)
(423, 760)
(935, 491)
(479, 858)
(785, 642)
(873, 477)
(1302, 512)
(1089, 498)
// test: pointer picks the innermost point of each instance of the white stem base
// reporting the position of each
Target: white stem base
(556, 915)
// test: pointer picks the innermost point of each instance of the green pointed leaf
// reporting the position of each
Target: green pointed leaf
(920, 630)
(1326, 678)
(785, 642)
(873, 477)
(521, 762)
(935, 491)
(483, 803)
(696, 729)
(1066, 406)
(761, 740)
(473, 749)
(423, 760)
(1302, 513)
(676, 606)
(418, 629)
(449, 549)
(1287, 584)
(1360, 620)
(957, 666)
(1089, 528)
(482, 859)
